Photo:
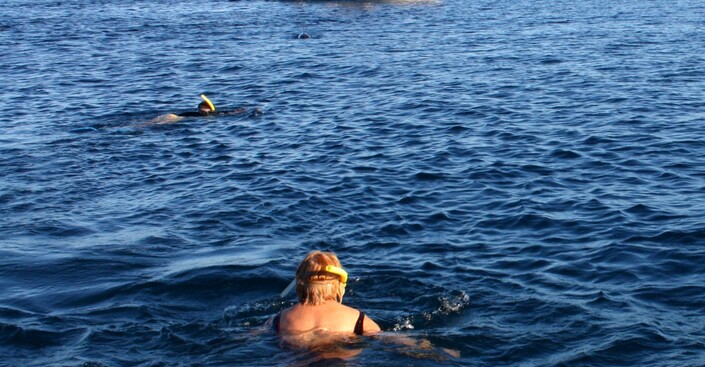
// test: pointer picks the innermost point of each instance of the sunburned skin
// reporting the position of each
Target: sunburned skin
(169, 118)
(330, 316)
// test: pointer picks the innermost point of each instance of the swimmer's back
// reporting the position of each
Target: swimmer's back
(330, 316)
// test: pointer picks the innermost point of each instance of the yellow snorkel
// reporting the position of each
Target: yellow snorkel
(329, 269)
(208, 102)
(338, 271)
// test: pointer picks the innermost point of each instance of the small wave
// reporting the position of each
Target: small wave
(429, 176)
(253, 313)
(672, 236)
(565, 154)
(685, 296)
(451, 303)
(35, 338)
(604, 301)
(457, 129)
(58, 228)
(551, 61)
(640, 342)
(400, 229)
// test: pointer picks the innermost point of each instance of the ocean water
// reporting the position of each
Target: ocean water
(520, 183)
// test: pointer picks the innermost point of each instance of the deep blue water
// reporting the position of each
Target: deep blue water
(520, 181)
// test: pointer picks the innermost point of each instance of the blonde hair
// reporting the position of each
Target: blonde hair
(313, 284)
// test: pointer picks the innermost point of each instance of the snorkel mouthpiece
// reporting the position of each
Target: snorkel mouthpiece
(208, 102)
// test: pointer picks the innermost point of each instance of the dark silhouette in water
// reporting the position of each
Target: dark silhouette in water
(303, 35)
(205, 108)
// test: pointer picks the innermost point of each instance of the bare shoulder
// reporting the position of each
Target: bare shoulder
(166, 119)
(347, 309)
(284, 313)
(370, 326)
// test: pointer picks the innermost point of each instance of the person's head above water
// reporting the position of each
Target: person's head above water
(320, 278)
(206, 107)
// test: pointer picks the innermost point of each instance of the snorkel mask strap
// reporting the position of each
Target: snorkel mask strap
(329, 269)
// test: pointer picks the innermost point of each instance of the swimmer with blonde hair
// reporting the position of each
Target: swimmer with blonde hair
(320, 286)
(319, 320)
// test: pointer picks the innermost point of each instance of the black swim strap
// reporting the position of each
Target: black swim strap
(358, 325)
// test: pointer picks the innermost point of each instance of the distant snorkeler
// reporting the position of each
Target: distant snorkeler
(303, 35)
(205, 108)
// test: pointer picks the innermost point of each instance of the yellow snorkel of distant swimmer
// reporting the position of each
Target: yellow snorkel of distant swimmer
(208, 102)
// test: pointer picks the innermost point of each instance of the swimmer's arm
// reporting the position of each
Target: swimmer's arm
(370, 327)
(265, 328)
(166, 119)
(413, 344)
(406, 341)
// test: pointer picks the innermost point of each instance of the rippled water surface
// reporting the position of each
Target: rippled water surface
(518, 181)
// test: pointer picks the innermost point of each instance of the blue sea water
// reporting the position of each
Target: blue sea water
(522, 182)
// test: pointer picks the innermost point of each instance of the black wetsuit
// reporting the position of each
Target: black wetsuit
(358, 324)
(236, 111)
(191, 114)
